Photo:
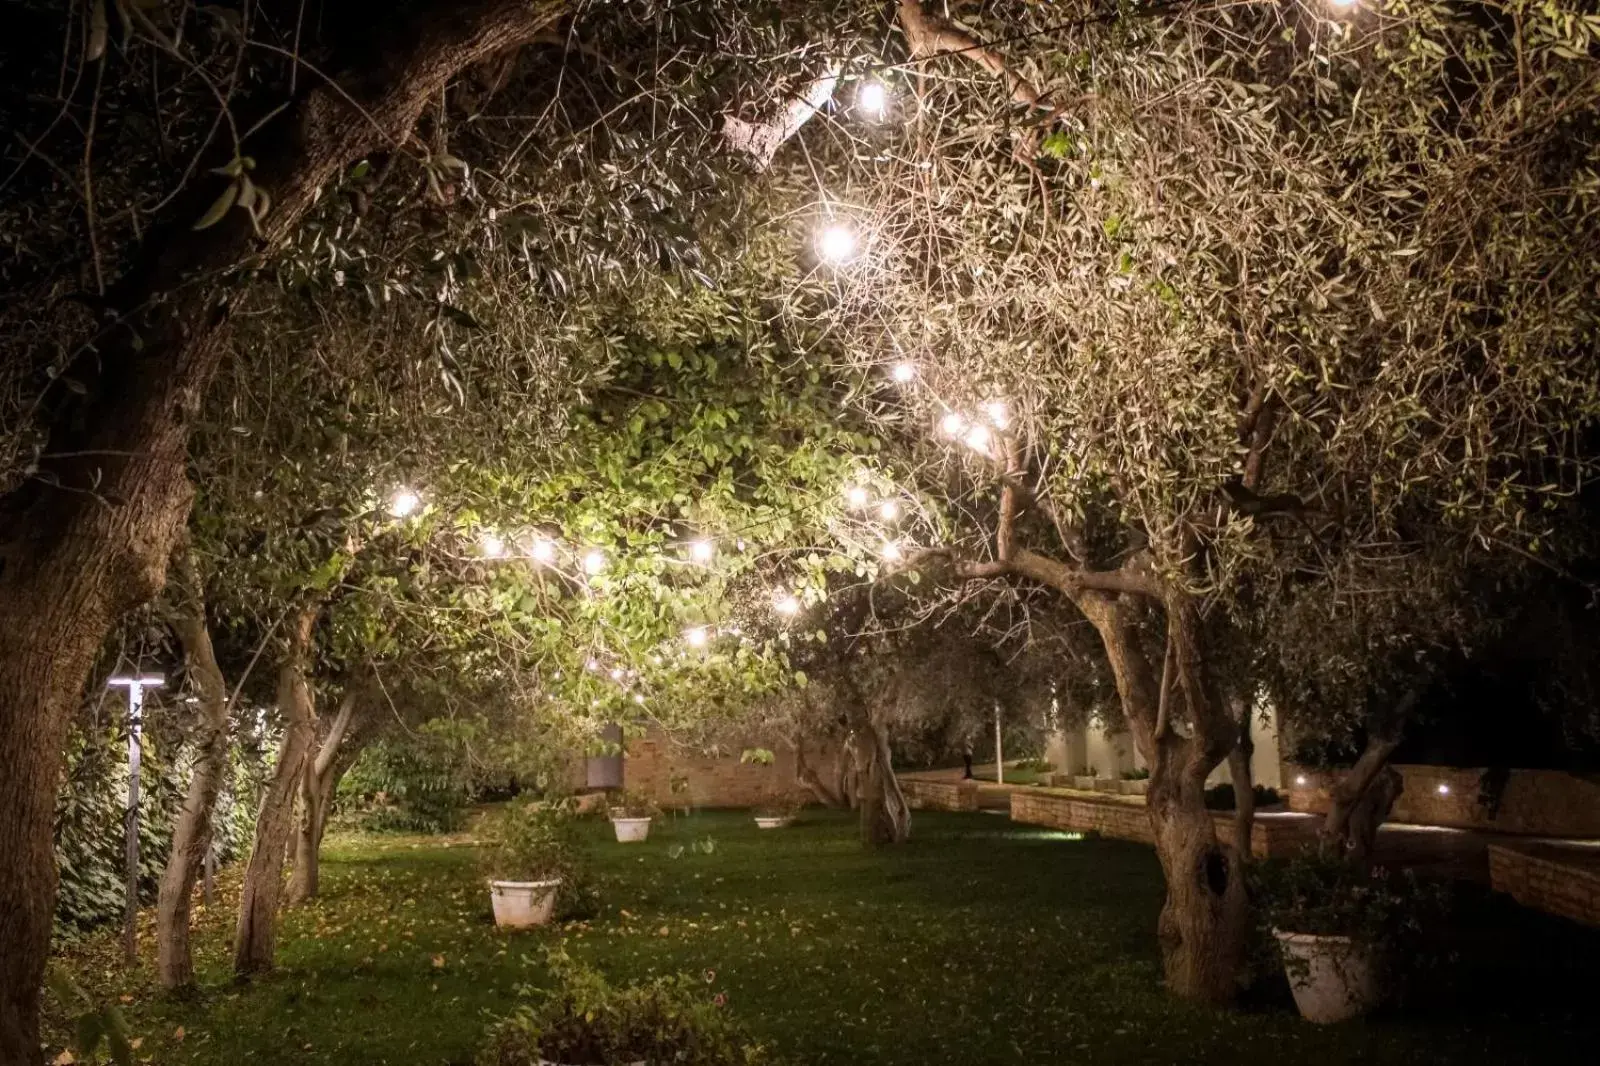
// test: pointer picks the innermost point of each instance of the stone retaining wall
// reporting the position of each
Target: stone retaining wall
(1545, 879)
(1126, 819)
(940, 795)
(1532, 802)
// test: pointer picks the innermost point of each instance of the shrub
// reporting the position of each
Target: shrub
(630, 804)
(1220, 797)
(585, 1021)
(533, 841)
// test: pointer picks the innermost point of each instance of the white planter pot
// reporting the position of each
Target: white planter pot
(631, 830)
(1107, 784)
(1136, 788)
(521, 904)
(772, 823)
(1333, 979)
(1083, 784)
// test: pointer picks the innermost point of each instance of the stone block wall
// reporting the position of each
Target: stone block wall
(1127, 819)
(654, 764)
(940, 795)
(1534, 802)
(1548, 880)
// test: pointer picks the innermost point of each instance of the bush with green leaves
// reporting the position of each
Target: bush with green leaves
(631, 804)
(1324, 897)
(418, 784)
(584, 1020)
(532, 840)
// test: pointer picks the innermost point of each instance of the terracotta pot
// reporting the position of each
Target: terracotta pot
(1332, 977)
(521, 904)
(631, 830)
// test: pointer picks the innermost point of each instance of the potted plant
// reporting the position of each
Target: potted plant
(1085, 781)
(1135, 782)
(532, 852)
(1337, 926)
(630, 816)
(583, 1020)
(778, 810)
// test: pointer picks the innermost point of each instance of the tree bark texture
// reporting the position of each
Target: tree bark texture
(88, 538)
(191, 837)
(1243, 778)
(255, 937)
(1205, 920)
(1361, 801)
(317, 779)
(885, 815)
(832, 795)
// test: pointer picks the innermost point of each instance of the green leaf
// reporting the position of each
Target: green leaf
(219, 207)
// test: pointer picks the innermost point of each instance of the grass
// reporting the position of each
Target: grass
(979, 942)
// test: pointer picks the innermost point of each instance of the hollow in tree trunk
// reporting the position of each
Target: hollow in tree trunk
(191, 837)
(88, 538)
(255, 937)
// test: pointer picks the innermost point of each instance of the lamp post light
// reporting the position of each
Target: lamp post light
(135, 684)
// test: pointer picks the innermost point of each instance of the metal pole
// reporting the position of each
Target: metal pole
(999, 755)
(130, 828)
(130, 936)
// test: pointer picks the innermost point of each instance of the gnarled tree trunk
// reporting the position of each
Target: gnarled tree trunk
(255, 937)
(1205, 920)
(1361, 801)
(191, 837)
(317, 780)
(1243, 778)
(885, 814)
(830, 794)
(88, 538)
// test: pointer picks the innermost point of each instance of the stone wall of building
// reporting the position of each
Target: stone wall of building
(1554, 880)
(1532, 802)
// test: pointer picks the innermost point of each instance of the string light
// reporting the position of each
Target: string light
(903, 373)
(891, 552)
(873, 98)
(491, 546)
(999, 414)
(697, 637)
(403, 503)
(544, 550)
(594, 562)
(836, 243)
(953, 424)
(856, 496)
(701, 551)
(1343, 3)
(616, 673)
(638, 698)
(978, 438)
(787, 605)
(889, 510)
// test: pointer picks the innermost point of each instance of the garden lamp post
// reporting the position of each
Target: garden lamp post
(999, 755)
(135, 685)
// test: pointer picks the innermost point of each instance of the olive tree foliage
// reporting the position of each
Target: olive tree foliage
(1271, 295)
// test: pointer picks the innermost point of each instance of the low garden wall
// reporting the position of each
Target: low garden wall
(940, 795)
(1554, 880)
(1530, 802)
(1126, 819)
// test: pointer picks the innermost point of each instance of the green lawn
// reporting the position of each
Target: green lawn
(979, 942)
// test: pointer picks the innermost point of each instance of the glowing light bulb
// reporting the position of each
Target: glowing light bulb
(491, 546)
(616, 673)
(697, 637)
(873, 98)
(903, 372)
(1444, 789)
(978, 438)
(891, 552)
(953, 424)
(701, 551)
(403, 503)
(999, 414)
(594, 664)
(787, 605)
(655, 660)
(544, 550)
(1343, 3)
(836, 244)
(594, 562)
(1300, 779)
(638, 698)
(889, 510)
(856, 496)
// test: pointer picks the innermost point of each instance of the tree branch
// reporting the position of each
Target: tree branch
(761, 140)
(928, 36)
